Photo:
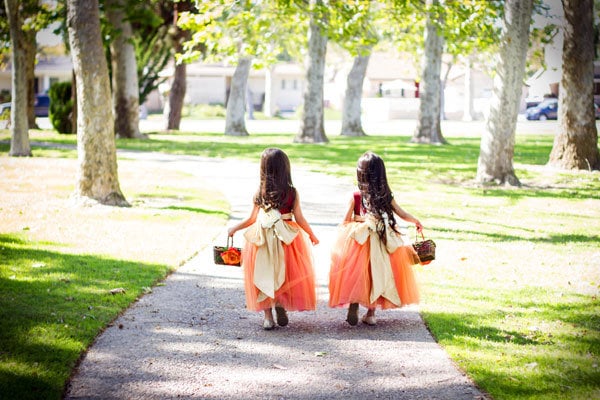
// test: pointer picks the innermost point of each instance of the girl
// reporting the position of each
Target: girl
(370, 264)
(277, 259)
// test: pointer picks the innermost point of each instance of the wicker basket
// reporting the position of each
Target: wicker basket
(227, 255)
(425, 248)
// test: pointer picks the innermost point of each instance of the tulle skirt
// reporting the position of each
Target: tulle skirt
(298, 291)
(350, 273)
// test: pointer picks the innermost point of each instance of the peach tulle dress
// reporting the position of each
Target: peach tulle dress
(364, 270)
(278, 264)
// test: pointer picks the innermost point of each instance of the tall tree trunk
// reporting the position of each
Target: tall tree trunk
(19, 128)
(96, 150)
(351, 117)
(312, 125)
(235, 124)
(30, 51)
(269, 105)
(576, 144)
(443, 93)
(498, 140)
(428, 128)
(468, 99)
(124, 73)
(176, 97)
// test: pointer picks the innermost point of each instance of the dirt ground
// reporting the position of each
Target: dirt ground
(36, 200)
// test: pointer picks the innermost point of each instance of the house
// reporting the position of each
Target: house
(47, 71)
(211, 83)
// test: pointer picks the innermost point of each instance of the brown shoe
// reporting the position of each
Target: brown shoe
(282, 318)
(352, 317)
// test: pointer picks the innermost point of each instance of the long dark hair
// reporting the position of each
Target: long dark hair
(375, 191)
(275, 180)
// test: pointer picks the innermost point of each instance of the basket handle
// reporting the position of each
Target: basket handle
(417, 235)
(229, 241)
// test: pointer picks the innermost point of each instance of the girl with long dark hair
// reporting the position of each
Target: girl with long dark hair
(277, 258)
(371, 265)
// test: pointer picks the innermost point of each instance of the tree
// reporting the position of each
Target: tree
(498, 140)
(236, 102)
(312, 125)
(576, 144)
(428, 128)
(19, 128)
(352, 26)
(97, 176)
(178, 85)
(124, 71)
(351, 113)
(237, 33)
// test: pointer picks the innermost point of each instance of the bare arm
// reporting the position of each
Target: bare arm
(350, 211)
(406, 216)
(297, 211)
(246, 222)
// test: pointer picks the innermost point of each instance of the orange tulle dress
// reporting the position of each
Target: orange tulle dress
(278, 263)
(364, 270)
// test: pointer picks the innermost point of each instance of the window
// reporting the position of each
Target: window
(283, 84)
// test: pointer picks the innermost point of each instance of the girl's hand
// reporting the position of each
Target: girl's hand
(314, 240)
(419, 227)
(231, 231)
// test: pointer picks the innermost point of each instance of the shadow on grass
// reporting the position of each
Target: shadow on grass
(545, 343)
(472, 235)
(52, 306)
(198, 210)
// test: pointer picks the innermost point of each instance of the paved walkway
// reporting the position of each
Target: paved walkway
(193, 338)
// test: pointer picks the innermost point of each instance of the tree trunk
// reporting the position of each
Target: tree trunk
(468, 100)
(96, 151)
(443, 93)
(312, 125)
(351, 117)
(498, 140)
(30, 50)
(576, 144)
(124, 73)
(176, 97)
(235, 124)
(269, 105)
(428, 128)
(19, 128)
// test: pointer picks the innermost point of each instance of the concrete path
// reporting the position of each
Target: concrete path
(193, 338)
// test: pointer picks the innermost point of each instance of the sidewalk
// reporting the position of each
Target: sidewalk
(193, 338)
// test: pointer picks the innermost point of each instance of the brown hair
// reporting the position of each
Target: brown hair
(276, 185)
(375, 191)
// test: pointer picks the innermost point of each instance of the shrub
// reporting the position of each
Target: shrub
(61, 107)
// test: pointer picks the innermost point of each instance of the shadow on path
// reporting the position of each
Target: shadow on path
(193, 338)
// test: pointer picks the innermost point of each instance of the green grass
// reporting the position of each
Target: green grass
(52, 306)
(513, 293)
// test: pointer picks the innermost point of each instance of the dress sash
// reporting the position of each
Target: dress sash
(381, 268)
(268, 234)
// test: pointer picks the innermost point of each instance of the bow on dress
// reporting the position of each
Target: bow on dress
(268, 234)
(381, 268)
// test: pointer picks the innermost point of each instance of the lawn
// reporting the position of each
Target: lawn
(513, 294)
(59, 263)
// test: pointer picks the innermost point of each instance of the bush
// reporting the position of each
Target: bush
(61, 107)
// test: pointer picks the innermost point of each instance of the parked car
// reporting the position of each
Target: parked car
(547, 109)
(41, 106)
